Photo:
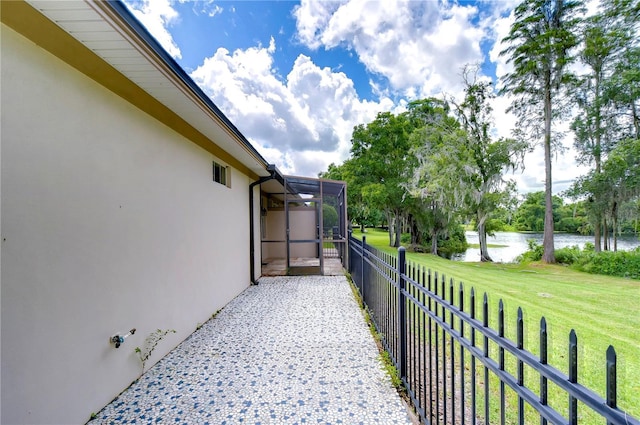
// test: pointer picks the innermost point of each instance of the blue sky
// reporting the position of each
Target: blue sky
(245, 24)
(296, 76)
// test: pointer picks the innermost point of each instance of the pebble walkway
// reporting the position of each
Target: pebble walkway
(291, 350)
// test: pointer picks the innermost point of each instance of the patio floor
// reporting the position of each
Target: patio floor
(278, 266)
(290, 350)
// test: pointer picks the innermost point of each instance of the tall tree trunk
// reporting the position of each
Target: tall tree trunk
(614, 218)
(396, 243)
(636, 119)
(605, 233)
(415, 232)
(598, 160)
(597, 233)
(390, 222)
(434, 242)
(549, 251)
(434, 230)
(482, 236)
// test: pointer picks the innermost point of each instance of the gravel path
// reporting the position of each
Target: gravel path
(291, 350)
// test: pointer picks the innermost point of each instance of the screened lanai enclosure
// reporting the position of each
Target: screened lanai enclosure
(303, 226)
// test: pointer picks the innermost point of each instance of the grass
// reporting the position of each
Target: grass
(603, 310)
(385, 358)
(489, 245)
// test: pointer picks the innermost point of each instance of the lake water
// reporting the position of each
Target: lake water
(516, 244)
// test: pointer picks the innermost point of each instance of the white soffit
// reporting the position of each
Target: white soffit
(92, 27)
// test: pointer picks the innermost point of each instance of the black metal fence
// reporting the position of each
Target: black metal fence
(453, 364)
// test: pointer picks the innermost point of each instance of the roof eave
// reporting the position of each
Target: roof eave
(119, 8)
(77, 33)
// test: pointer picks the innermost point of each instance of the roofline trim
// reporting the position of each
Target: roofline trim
(119, 9)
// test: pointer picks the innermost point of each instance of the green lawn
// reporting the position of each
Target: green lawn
(489, 245)
(603, 310)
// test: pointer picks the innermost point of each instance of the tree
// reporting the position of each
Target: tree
(624, 85)
(573, 218)
(437, 144)
(485, 159)
(589, 125)
(356, 209)
(618, 182)
(329, 216)
(381, 164)
(621, 172)
(606, 96)
(436, 178)
(604, 39)
(624, 89)
(540, 42)
(530, 215)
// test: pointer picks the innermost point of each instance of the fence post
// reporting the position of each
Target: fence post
(364, 244)
(462, 400)
(543, 360)
(472, 313)
(503, 412)
(573, 376)
(520, 339)
(402, 312)
(611, 379)
(485, 323)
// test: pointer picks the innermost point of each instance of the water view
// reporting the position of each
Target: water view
(516, 243)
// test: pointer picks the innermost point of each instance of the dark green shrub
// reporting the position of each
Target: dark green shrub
(534, 253)
(568, 255)
(621, 263)
(569, 224)
(497, 225)
(454, 243)
(417, 248)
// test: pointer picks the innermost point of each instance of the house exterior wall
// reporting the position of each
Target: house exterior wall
(302, 222)
(110, 221)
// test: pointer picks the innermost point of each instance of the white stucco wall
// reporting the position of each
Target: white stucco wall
(109, 221)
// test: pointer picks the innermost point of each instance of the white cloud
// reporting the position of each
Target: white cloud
(302, 122)
(563, 171)
(204, 7)
(499, 30)
(157, 16)
(312, 17)
(419, 47)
